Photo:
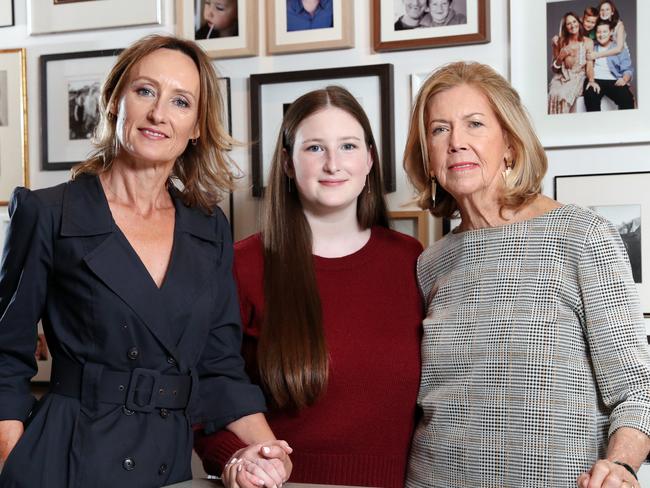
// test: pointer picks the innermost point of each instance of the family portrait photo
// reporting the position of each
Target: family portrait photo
(414, 14)
(83, 108)
(591, 55)
(215, 19)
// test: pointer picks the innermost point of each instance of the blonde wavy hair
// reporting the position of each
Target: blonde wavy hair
(529, 158)
(205, 170)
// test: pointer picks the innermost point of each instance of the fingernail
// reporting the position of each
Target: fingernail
(266, 450)
(239, 468)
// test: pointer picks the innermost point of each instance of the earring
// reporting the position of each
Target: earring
(434, 188)
(194, 142)
(368, 183)
(506, 172)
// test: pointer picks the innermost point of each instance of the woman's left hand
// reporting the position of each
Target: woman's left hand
(266, 464)
(606, 474)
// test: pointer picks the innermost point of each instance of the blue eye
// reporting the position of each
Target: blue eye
(181, 102)
(438, 130)
(475, 123)
(348, 146)
(313, 148)
(145, 92)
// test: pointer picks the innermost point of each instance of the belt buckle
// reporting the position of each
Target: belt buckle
(133, 384)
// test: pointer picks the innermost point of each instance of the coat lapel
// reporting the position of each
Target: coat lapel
(86, 213)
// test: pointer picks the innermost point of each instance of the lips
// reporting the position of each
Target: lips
(331, 182)
(462, 166)
(153, 134)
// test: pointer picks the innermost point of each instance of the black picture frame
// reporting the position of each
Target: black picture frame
(49, 162)
(226, 94)
(13, 15)
(384, 74)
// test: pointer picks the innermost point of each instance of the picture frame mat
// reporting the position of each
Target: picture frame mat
(59, 151)
(622, 189)
(528, 75)
(7, 18)
(274, 96)
(278, 11)
(45, 17)
(14, 152)
(414, 223)
(245, 44)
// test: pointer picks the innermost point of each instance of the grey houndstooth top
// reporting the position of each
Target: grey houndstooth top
(534, 349)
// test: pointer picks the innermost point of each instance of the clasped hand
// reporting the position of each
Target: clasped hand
(266, 464)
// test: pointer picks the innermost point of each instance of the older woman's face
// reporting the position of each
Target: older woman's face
(606, 11)
(157, 112)
(466, 143)
(439, 9)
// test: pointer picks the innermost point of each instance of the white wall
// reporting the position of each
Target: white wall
(619, 158)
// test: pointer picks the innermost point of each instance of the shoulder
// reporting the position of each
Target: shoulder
(396, 242)
(36, 200)
(250, 245)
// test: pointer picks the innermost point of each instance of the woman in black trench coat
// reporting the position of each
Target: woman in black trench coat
(132, 280)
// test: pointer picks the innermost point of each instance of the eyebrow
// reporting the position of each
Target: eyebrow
(154, 82)
(319, 139)
(464, 117)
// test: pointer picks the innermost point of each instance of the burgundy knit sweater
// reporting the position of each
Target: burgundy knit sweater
(359, 433)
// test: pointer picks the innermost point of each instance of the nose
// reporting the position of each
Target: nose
(331, 163)
(157, 112)
(456, 141)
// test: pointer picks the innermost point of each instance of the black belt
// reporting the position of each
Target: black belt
(140, 390)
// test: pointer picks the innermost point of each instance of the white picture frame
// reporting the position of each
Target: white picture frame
(46, 17)
(7, 18)
(528, 51)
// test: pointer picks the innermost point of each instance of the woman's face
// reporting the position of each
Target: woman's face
(606, 11)
(466, 143)
(329, 161)
(439, 10)
(572, 25)
(157, 111)
(220, 14)
(414, 9)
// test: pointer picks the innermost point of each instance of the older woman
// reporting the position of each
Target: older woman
(132, 280)
(536, 370)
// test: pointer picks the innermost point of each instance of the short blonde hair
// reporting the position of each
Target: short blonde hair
(205, 169)
(529, 158)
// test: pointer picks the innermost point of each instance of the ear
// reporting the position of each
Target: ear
(287, 164)
(369, 162)
(196, 133)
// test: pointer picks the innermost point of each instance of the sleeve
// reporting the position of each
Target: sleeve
(615, 329)
(26, 262)
(225, 390)
(626, 63)
(216, 449)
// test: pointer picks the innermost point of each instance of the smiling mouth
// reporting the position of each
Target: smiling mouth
(331, 182)
(153, 134)
(465, 165)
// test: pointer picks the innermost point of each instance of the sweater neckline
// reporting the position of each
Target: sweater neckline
(351, 260)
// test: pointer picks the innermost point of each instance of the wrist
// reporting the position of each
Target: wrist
(628, 468)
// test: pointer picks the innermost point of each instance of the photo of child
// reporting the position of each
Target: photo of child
(216, 18)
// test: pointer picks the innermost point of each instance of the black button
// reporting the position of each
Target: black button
(171, 360)
(164, 413)
(127, 411)
(128, 464)
(162, 469)
(133, 353)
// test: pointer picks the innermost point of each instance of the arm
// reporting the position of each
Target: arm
(615, 333)
(23, 286)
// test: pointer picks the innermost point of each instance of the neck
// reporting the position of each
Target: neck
(337, 234)
(142, 189)
(480, 210)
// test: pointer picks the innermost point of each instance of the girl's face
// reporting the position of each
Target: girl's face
(589, 22)
(606, 11)
(572, 25)
(220, 14)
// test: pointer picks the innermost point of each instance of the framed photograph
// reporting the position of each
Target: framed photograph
(579, 87)
(626, 204)
(14, 153)
(227, 204)
(223, 28)
(271, 93)
(7, 13)
(48, 16)
(295, 26)
(70, 91)
(646, 317)
(414, 223)
(415, 24)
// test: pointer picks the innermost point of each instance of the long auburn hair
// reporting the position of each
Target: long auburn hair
(205, 170)
(292, 353)
(564, 32)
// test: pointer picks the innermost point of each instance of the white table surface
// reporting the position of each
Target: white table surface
(203, 483)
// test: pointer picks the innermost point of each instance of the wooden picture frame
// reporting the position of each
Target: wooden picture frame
(626, 203)
(227, 204)
(14, 149)
(285, 35)
(241, 39)
(457, 28)
(414, 223)
(70, 90)
(46, 17)
(372, 85)
(7, 14)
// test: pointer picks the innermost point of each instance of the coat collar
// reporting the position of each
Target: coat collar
(86, 212)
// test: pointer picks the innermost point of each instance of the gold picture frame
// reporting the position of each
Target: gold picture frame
(414, 223)
(14, 150)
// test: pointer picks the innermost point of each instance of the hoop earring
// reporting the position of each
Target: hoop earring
(434, 188)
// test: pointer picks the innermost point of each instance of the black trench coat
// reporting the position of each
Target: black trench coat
(65, 261)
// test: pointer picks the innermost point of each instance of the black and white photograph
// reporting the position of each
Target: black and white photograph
(4, 114)
(83, 106)
(413, 14)
(627, 220)
(591, 56)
